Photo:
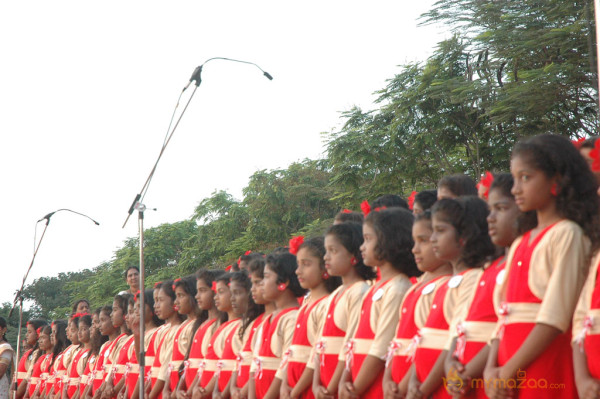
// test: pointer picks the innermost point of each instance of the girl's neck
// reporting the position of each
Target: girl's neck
(49, 351)
(191, 316)
(149, 325)
(286, 300)
(388, 271)
(231, 315)
(269, 308)
(113, 335)
(317, 293)
(443, 270)
(213, 313)
(173, 319)
(351, 277)
(458, 266)
(87, 345)
(547, 216)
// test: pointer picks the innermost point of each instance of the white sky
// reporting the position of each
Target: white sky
(87, 90)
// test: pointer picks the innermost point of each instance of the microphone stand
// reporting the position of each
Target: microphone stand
(138, 205)
(19, 294)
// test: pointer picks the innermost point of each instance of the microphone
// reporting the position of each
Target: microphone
(48, 216)
(196, 74)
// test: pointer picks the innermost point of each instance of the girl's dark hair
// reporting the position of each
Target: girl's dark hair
(97, 339)
(78, 302)
(316, 246)
(393, 229)
(208, 275)
(285, 265)
(122, 300)
(257, 266)
(351, 237)
(556, 157)
(426, 215)
(188, 284)
(36, 323)
(588, 143)
(468, 217)
(390, 201)
(87, 320)
(426, 198)
(253, 309)
(149, 301)
(3, 325)
(458, 184)
(60, 338)
(343, 217)
(105, 309)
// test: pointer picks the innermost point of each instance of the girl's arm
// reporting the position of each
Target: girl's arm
(232, 386)
(273, 392)
(304, 383)
(587, 386)
(251, 387)
(158, 387)
(434, 379)
(367, 374)
(332, 388)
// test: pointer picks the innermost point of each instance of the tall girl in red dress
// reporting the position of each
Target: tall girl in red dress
(205, 326)
(71, 381)
(460, 237)
(296, 377)
(342, 258)
(415, 307)
(44, 355)
(240, 387)
(469, 349)
(186, 305)
(86, 388)
(29, 357)
(102, 363)
(388, 246)
(242, 303)
(546, 268)
(165, 310)
(60, 343)
(280, 286)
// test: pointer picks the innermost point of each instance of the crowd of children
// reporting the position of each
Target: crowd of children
(467, 291)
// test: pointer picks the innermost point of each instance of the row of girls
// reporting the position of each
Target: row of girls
(468, 298)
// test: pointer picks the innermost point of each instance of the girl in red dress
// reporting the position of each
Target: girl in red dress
(414, 308)
(29, 357)
(71, 381)
(102, 363)
(57, 365)
(546, 268)
(469, 349)
(342, 258)
(296, 377)
(388, 246)
(98, 340)
(205, 326)
(280, 285)
(460, 237)
(44, 356)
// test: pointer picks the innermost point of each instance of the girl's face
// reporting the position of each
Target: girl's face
(423, 248)
(205, 297)
(239, 298)
(269, 285)
(531, 188)
(417, 209)
(163, 307)
(105, 325)
(183, 301)
(133, 314)
(148, 313)
(338, 260)
(368, 247)
(502, 220)
(31, 336)
(129, 315)
(256, 290)
(44, 342)
(83, 333)
(223, 297)
(95, 324)
(445, 240)
(116, 315)
(73, 333)
(309, 270)
(54, 329)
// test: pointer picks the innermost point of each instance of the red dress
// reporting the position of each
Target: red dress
(87, 378)
(101, 364)
(211, 358)
(177, 357)
(120, 366)
(226, 363)
(555, 364)
(403, 346)
(244, 358)
(196, 357)
(36, 374)
(268, 362)
(73, 372)
(21, 367)
(588, 338)
(299, 352)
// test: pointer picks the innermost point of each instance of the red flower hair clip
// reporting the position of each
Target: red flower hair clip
(577, 143)
(214, 286)
(157, 284)
(486, 181)
(175, 283)
(248, 252)
(136, 296)
(380, 208)
(346, 211)
(411, 200)
(228, 268)
(365, 207)
(295, 244)
(595, 155)
(39, 330)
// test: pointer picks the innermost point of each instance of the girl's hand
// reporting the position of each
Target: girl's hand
(347, 391)
(457, 382)
(588, 388)
(414, 386)
(285, 391)
(322, 393)
(234, 392)
(495, 386)
(390, 390)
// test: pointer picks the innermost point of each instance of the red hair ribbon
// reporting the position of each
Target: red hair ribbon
(346, 211)
(577, 143)
(175, 283)
(228, 268)
(380, 208)
(39, 330)
(595, 155)
(365, 207)
(136, 296)
(248, 252)
(157, 284)
(239, 260)
(486, 181)
(295, 244)
(411, 200)
(214, 286)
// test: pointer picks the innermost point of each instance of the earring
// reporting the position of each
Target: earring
(353, 261)
(281, 287)
(325, 275)
(554, 190)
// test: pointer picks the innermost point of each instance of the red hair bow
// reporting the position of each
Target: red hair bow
(346, 211)
(228, 268)
(486, 181)
(577, 143)
(175, 283)
(380, 208)
(248, 252)
(595, 155)
(295, 244)
(411, 200)
(214, 286)
(157, 284)
(39, 330)
(136, 296)
(365, 207)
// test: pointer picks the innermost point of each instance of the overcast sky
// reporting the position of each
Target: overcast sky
(87, 90)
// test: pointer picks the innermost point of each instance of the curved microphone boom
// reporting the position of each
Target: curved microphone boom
(198, 71)
(48, 216)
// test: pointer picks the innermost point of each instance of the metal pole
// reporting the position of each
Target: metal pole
(142, 353)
